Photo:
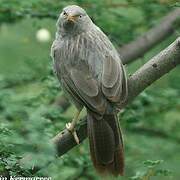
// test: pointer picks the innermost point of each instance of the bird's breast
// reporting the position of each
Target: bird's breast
(88, 49)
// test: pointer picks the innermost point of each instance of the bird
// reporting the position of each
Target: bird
(92, 75)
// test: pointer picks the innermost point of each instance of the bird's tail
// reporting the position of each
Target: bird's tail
(106, 144)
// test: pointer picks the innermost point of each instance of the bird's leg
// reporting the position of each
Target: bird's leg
(71, 126)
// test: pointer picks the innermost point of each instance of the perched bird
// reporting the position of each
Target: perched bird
(91, 73)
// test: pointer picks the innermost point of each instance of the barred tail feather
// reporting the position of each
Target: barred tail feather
(106, 144)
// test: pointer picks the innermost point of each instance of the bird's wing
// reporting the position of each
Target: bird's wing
(54, 55)
(114, 85)
(88, 89)
(66, 83)
(108, 65)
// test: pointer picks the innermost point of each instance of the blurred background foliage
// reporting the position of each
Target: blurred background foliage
(29, 116)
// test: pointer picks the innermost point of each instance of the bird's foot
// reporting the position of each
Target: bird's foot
(71, 129)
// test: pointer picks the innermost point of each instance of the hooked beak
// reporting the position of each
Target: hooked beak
(71, 18)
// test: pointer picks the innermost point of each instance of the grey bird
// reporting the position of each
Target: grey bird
(91, 73)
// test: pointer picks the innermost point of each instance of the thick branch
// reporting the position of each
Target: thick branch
(161, 64)
(141, 45)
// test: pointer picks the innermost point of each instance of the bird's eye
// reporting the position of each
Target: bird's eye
(80, 16)
(64, 13)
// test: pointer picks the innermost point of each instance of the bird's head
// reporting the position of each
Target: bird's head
(73, 20)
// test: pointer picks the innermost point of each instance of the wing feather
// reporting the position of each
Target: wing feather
(87, 84)
(112, 79)
(110, 72)
(88, 89)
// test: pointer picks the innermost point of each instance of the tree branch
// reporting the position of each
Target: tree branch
(155, 35)
(159, 65)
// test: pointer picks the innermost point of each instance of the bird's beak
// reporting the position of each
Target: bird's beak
(71, 18)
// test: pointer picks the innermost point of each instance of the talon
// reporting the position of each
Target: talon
(76, 137)
(71, 129)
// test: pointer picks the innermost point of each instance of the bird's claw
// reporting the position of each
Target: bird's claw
(71, 129)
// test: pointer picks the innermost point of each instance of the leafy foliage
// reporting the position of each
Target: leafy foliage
(150, 171)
